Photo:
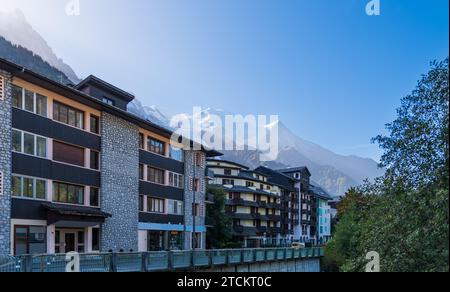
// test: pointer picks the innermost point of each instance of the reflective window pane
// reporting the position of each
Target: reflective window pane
(28, 144)
(40, 189)
(17, 141)
(17, 96)
(28, 187)
(29, 101)
(41, 147)
(16, 186)
(41, 105)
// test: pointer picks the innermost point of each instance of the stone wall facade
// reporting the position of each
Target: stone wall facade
(191, 170)
(5, 165)
(120, 183)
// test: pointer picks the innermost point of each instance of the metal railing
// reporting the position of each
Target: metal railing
(156, 261)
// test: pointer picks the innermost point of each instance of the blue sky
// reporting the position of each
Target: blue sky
(333, 74)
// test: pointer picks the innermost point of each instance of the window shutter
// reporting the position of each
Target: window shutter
(2, 88)
(203, 160)
(203, 186)
(202, 210)
(191, 183)
(1, 183)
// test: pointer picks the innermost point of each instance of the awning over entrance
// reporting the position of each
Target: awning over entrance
(78, 216)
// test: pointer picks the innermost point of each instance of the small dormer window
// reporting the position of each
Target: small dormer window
(108, 101)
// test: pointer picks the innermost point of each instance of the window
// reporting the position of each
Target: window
(141, 141)
(176, 153)
(68, 154)
(250, 184)
(29, 187)
(141, 203)
(69, 194)
(196, 240)
(94, 197)
(108, 101)
(80, 241)
(68, 115)
(155, 205)
(29, 101)
(29, 144)
(227, 171)
(199, 159)
(95, 160)
(94, 124)
(196, 210)
(197, 185)
(176, 180)
(96, 239)
(155, 175)
(155, 146)
(141, 171)
(228, 182)
(29, 240)
(175, 207)
(17, 96)
(41, 105)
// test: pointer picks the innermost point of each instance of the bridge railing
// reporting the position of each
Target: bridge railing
(156, 261)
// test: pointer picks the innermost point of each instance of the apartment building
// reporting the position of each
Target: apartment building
(290, 203)
(305, 230)
(80, 173)
(252, 202)
(323, 215)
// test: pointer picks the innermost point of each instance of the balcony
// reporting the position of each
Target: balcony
(242, 202)
(274, 217)
(239, 230)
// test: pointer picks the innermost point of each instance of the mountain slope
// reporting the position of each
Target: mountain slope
(16, 29)
(31, 61)
(335, 173)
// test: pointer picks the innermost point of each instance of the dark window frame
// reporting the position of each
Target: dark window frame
(28, 237)
(58, 199)
(59, 108)
(156, 146)
(96, 128)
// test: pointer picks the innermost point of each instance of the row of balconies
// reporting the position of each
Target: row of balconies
(254, 216)
(258, 204)
(249, 231)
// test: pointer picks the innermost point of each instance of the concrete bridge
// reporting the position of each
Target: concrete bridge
(231, 260)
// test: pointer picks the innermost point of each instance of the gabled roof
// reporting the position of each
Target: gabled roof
(294, 169)
(278, 178)
(229, 162)
(95, 81)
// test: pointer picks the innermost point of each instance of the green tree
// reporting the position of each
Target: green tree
(218, 236)
(404, 215)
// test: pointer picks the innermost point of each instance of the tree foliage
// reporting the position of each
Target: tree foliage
(403, 215)
(220, 235)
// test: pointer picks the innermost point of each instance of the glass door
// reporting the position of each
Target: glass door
(70, 242)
